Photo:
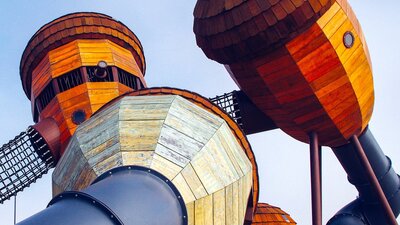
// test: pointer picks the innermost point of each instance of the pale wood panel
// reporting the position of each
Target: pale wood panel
(221, 162)
(190, 212)
(237, 219)
(184, 189)
(193, 122)
(204, 211)
(194, 182)
(65, 163)
(140, 100)
(109, 163)
(109, 113)
(139, 158)
(144, 112)
(86, 177)
(139, 135)
(165, 166)
(208, 172)
(199, 112)
(199, 209)
(172, 156)
(219, 207)
(233, 148)
(101, 154)
(179, 142)
(229, 212)
(98, 133)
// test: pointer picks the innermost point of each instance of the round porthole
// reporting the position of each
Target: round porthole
(348, 39)
(78, 117)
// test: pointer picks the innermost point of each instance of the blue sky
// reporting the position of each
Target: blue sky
(173, 59)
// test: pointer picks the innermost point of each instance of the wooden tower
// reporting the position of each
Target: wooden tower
(75, 64)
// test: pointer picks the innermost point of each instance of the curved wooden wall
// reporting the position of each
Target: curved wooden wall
(310, 81)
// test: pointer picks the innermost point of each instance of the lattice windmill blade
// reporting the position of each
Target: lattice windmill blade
(23, 160)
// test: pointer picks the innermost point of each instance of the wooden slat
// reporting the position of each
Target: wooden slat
(191, 213)
(165, 166)
(144, 112)
(194, 182)
(184, 189)
(219, 207)
(172, 156)
(140, 135)
(109, 163)
(179, 142)
(193, 122)
(139, 158)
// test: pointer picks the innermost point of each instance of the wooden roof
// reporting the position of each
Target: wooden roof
(83, 25)
(230, 30)
(271, 215)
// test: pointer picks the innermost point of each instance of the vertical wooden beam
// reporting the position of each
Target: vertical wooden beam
(315, 166)
(85, 76)
(391, 219)
(115, 73)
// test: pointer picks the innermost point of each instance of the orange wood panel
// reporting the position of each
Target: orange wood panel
(302, 76)
(271, 215)
(60, 32)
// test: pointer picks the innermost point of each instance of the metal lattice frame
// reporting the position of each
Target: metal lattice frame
(22, 161)
(229, 103)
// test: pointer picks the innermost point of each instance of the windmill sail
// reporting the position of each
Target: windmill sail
(22, 161)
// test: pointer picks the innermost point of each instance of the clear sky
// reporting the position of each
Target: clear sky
(173, 59)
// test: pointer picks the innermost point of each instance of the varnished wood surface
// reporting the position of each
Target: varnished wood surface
(233, 30)
(74, 26)
(271, 215)
(193, 147)
(88, 97)
(310, 83)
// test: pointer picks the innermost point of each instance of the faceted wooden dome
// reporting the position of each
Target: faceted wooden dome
(271, 215)
(229, 30)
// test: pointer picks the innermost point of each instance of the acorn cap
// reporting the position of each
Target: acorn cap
(70, 27)
(229, 31)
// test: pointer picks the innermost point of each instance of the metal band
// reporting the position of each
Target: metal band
(90, 199)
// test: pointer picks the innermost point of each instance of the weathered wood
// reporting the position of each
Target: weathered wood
(194, 182)
(172, 156)
(205, 174)
(168, 168)
(179, 142)
(184, 189)
(140, 135)
(219, 207)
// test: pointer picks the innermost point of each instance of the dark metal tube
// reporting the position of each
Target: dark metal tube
(129, 195)
(374, 181)
(315, 165)
(367, 209)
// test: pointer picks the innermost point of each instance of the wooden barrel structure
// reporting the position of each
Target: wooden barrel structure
(178, 133)
(305, 64)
